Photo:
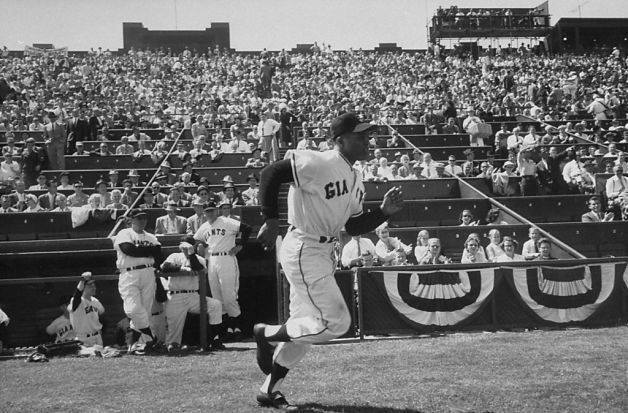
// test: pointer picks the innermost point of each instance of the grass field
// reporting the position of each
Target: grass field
(573, 370)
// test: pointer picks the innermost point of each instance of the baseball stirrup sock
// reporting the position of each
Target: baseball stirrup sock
(274, 379)
(277, 333)
(146, 330)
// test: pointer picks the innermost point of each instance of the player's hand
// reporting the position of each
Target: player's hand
(268, 233)
(86, 276)
(235, 250)
(393, 201)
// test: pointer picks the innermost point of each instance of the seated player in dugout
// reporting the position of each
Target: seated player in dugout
(85, 310)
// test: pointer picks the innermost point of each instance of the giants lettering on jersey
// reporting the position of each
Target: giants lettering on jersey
(334, 189)
(89, 309)
(218, 231)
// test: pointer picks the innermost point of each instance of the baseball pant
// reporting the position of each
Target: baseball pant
(179, 305)
(223, 276)
(318, 312)
(158, 321)
(56, 155)
(90, 341)
(137, 289)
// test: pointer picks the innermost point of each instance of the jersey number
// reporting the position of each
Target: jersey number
(334, 189)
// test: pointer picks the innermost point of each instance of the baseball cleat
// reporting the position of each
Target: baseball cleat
(276, 400)
(265, 350)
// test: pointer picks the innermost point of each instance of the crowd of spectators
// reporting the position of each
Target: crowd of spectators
(254, 104)
(495, 18)
(390, 251)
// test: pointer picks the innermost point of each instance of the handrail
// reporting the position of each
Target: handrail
(148, 184)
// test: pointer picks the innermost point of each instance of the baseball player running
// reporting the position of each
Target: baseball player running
(218, 234)
(137, 252)
(183, 295)
(85, 310)
(326, 195)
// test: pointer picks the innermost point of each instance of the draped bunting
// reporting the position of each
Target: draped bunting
(441, 298)
(564, 294)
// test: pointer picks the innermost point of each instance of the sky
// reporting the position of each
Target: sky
(254, 24)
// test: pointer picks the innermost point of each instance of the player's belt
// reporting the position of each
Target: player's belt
(92, 334)
(138, 267)
(322, 239)
(218, 254)
(182, 291)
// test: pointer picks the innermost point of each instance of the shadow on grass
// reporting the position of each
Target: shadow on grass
(318, 408)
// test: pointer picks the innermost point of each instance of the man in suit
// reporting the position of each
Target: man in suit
(18, 197)
(33, 160)
(5, 205)
(195, 221)
(128, 196)
(595, 213)
(171, 223)
(48, 201)
(95, 124)
(55, 139)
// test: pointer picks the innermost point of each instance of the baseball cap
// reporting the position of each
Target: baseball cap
(224, 203)
(348, 123)
(113, 172)
(137, 214)
(252, 176)
(210, 205)
(228, 185)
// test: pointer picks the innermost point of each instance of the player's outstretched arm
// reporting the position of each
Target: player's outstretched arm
(271, 179)
(368, 221)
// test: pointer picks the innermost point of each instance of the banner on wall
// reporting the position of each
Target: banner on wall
(441, 298)
(564, 294)
(36, 51)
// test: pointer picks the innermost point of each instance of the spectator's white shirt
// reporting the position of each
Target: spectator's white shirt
(572, 169)
(268, 127)
(513, 141)
(469, 121)
(9, 171)
(385, 172)
(350, 250)
(143, 137)
(454, 170)
(614, 186)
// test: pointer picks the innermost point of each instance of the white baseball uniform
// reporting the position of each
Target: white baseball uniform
(326, 192)
(136, 285)
(61, 327)
(183, 298)
(85, 321)
(223, 273)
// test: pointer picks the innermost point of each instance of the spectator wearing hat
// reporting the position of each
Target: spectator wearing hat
(171, 223)
(149, 200)
(501, 180)
(165, 171)
(178, 196)
(33, 160)
(42, 184)
(204, 194)
(250, 195)
(452, 169)
(101, 189)
(230, 194)
(48, 201)
(80, 150)
(78, 198)
(194, 222)
(64, 182)
(440, 170)
(417, 172)
(128, 195)
(55, 138)
(125, 148)
(113, 179)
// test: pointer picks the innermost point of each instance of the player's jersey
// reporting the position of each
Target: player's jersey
(219, 236)
(85, 318)
(182, 282)
(61, 327)
(326, 192)
(143, 239)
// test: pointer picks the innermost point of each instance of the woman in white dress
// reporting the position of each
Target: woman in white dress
(508, 245)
